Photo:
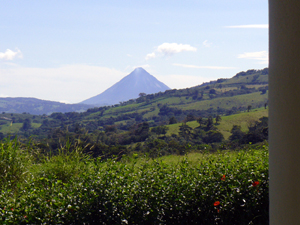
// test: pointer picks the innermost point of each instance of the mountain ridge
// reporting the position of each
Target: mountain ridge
(37, 106)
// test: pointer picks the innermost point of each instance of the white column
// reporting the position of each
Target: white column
(284, 111)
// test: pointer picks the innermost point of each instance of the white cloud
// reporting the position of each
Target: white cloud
(261, 26)
(262, 56)
(203, 67)
(70, 83)
(181, 81)
(170, 49)
(10, 55)
(207, 44)
(129, 55)
(150, 56)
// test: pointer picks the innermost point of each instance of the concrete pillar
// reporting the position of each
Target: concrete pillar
(284, 111)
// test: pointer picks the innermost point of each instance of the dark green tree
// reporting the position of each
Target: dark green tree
(249, 108)
(141, 132)
(213, 136)
(212, 91)
(209, 122)
(236, 133)
(172, 120)
(185, 131)
(200, 121)
(26, 124)
(258, 131)
(142, 94)
(160, 130)
(218, 119)
(189, 117)
(1, 136)
(110, 129)
(198, 135)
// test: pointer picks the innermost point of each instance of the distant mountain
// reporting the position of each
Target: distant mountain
(138, 81)
(37, 106)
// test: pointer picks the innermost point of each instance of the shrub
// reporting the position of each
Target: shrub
(13, 163)
(221, 188)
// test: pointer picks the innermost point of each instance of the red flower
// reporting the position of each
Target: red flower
(25, 216)
(216, 203)
(223, 178)
(255, 183)
(12, 209)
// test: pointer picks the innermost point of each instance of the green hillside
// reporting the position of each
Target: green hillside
(243, 119)
(222, 97)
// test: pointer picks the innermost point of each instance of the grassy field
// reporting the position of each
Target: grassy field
(242, 119)
(15, 127)
(227, 102)
(11, 128)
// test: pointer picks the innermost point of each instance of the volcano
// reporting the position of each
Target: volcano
(138, 81)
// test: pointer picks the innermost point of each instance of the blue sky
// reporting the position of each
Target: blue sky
(72, 50)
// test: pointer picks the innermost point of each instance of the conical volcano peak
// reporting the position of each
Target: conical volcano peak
(139, 71)
(138, 81)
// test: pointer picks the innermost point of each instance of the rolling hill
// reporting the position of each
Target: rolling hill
(222, 97)
(37, 106)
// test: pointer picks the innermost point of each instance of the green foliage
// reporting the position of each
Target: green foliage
(209, 123)
(14, 161)
(67, 164)
(213, 136)
(172, 120)
(258, 131)
(185, 131)
(236, 133)
(218, 119)
(221, 188)
(200, 121)
(26, 125)
(189, 117)
(160, 130)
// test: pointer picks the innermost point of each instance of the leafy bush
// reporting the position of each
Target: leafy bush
(221, 188)
(14, 162)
